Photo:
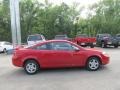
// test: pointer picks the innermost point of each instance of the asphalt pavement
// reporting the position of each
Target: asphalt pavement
(107, 78)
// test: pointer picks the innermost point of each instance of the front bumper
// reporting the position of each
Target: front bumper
(105, 59)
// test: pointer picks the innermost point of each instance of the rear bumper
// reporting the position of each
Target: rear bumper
(112, 42)
(17, 62)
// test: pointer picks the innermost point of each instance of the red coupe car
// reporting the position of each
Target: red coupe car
(56, 54)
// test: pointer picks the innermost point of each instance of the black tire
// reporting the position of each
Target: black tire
(93, 64)
(103, 45)
(4, 50)
(31, 67)
(116, 46)
(92, 46)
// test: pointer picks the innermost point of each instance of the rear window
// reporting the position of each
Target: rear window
(34, 38)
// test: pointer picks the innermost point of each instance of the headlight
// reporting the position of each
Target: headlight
(104, 53)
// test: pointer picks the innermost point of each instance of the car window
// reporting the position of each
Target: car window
(74, 47)
(118, 35)
(61, 46)
(44, 47)
(106, 35)
(56, 46)
(34, 38)
(97, 36)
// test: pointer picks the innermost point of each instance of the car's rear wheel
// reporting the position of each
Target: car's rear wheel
(116, 46)
(31, 67)
(93, 64)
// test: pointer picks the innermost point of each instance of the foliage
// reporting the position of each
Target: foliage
(49, 19)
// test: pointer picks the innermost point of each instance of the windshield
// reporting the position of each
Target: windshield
(118, 35)
(105, 35)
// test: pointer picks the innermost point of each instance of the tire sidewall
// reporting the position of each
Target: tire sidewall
(31, 61)
(87, 64)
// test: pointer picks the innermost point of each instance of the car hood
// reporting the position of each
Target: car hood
(94, 50)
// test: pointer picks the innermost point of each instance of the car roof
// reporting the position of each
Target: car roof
(3, 41)
(118, 34)
(48, 41)
(55, 41)
(104, 34)
(61, 35)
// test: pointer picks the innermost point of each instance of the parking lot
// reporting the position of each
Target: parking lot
(107, 78)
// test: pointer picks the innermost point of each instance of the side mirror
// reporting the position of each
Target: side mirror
(77, 50)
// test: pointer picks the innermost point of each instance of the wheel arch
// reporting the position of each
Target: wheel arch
(27, 59)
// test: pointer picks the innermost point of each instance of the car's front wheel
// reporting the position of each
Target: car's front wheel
(31, 67)
(93, 64)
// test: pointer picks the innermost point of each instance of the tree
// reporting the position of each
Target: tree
(5, 30)
(107, 18)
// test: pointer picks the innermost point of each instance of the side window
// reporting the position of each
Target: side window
(43, 47)
(75, 48)
(118, 35)
(61, 46)
(97, 36)
(42, 37)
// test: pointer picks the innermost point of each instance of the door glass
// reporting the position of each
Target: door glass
(75, 48)
(61, 46)
(43, 47)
